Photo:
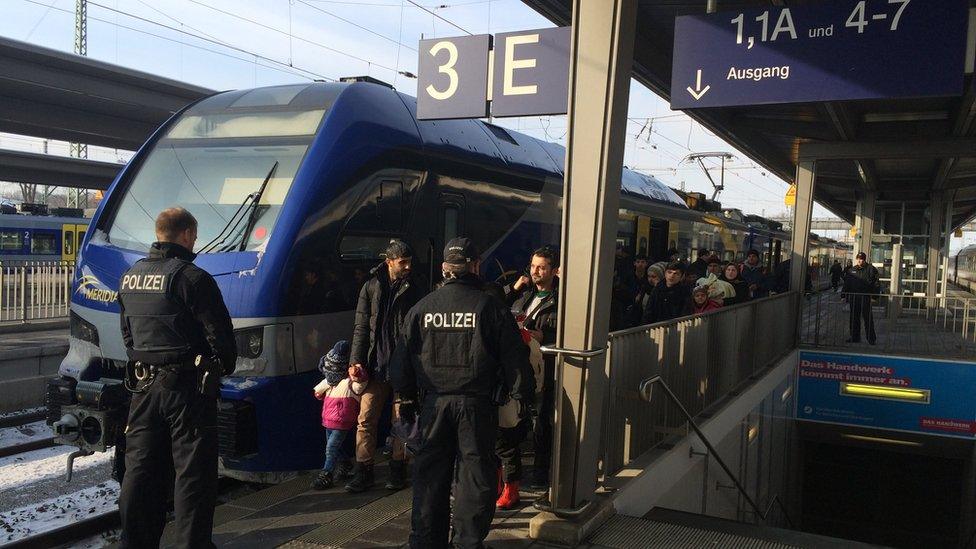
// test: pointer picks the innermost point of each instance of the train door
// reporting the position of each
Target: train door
(643, 235)
(658, 247)
(69, 248)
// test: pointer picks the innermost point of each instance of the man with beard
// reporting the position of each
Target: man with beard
(383, 302)
(536, 306)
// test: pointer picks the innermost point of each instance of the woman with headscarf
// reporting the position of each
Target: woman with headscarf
(730, 274)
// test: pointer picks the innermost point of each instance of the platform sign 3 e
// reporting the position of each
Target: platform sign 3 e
(831, 51)
(516, 74)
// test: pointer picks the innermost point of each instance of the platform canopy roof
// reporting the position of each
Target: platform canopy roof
(774, 135)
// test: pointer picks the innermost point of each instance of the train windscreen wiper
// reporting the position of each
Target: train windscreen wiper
(244, 212)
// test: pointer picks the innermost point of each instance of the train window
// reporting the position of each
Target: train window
(389, 205)
(382, 211)
(362, 248)
(44, 244)
(451, 215)
(11, 241)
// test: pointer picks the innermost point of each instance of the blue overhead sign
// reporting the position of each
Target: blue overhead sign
(832, 51)
(903, 394)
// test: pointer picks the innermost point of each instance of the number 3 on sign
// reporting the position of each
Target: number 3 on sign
(446, 68)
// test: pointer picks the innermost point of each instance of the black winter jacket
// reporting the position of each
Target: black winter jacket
(667, 302)
(460, 340)
(544, 317)
(366, 331)
(864, 280)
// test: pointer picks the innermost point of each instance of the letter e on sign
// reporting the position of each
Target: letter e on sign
(452, 80)
(530, 75)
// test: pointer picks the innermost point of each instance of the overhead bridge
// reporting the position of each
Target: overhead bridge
(56, 95)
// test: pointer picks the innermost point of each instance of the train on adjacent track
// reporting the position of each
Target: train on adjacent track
(40, 237)
(298, 189)
(962, 268)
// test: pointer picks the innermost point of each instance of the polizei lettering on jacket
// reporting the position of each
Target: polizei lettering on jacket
(144, 282)
(450, 320)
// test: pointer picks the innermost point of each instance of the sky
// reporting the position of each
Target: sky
(232, 44)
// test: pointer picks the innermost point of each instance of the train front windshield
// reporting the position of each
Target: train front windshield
(209, 163)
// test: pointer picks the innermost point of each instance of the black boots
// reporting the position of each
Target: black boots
(398, 475)
(323, 481)
(362, 478)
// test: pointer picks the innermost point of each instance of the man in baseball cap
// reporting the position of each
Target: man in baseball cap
(861, 282)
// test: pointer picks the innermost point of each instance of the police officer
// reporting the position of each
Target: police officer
(460, 352)
(179, 337)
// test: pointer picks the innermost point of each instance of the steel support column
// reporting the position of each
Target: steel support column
(802, 214)
(934, 259)
(864, 221)
(599, 90)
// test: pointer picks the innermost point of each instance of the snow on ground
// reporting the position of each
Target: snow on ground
(58, 511)
(32, 467)
(24, 433)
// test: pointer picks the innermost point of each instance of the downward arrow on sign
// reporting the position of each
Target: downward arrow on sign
(698, 92)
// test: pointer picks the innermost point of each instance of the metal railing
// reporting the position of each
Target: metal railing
(34, 290)
(942, 326)
(646, 390)
(701, 358)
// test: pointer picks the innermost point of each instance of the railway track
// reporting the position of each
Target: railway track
(23, 448)
(78, 530)
(16, 420)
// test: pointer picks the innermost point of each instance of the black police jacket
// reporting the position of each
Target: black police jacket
(172, 310)
(461, 340)
(366, 331)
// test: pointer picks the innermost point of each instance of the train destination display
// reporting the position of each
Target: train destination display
(845, 50)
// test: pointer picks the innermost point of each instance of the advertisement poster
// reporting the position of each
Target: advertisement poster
(907, 394)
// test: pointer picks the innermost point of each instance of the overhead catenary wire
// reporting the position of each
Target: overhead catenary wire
(290, 35)
(444, 19)
(308, 74)
(357, 25)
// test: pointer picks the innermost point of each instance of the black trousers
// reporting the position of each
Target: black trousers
(172, 429)
(455, 431)
(861, 311)
(508, 451)
(542, 431)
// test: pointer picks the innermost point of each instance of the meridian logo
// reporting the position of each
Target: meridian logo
(92, 288)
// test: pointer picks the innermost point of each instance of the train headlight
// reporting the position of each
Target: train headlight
(82, 329)
(250, 342)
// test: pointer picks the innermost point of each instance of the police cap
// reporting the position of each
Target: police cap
(460, 251)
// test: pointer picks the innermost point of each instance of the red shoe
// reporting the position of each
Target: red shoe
(510, 496)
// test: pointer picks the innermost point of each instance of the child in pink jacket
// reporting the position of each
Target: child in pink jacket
(340, 408)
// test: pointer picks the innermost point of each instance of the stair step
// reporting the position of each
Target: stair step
(680, 530)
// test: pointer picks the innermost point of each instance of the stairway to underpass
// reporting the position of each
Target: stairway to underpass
(663, 527)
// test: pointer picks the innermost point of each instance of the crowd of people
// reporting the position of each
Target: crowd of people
(647, 292)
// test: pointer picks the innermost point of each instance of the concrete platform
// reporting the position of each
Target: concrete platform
(947, 331)
(27, 361)
(291, 515)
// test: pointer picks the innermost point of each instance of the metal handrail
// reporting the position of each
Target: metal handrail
(590, 353)
(645, 393)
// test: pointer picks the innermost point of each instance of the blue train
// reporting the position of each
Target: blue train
(354, 168)
(40, 237)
